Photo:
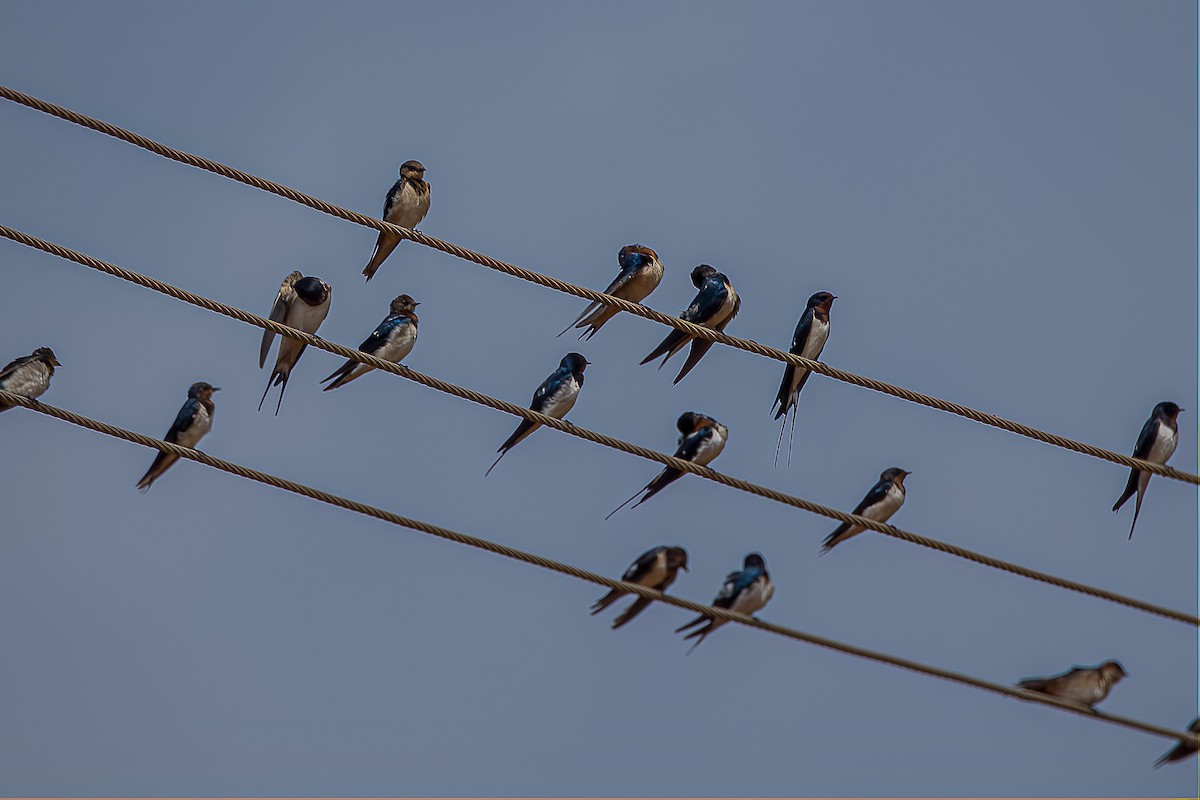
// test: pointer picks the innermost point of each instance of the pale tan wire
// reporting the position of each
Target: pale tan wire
(583, 574)
(588, 294)
(584, 433)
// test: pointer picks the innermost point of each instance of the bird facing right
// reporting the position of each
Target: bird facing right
(192, 422)
(654, 569)
(406, 205)
(392, 340)
(28, 376)
(554, 397)
(1084, 685)
(812, 331)
(1156, 443)
(884, 499)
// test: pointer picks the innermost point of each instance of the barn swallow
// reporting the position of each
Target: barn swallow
(745, 592)
(884, 499)
(1156, 443)
(640, 274)
(808, 341)
(391, 341)
(193, 421)
(28, 376)
(715, 306)
(655, 569)
(406, 205)
(554, 398)
(701, 440)
(1084, 685)
(302, 303)
(1181, 750)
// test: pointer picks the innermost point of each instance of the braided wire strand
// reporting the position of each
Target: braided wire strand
(589, 435)
(549, 282)
(583, 574)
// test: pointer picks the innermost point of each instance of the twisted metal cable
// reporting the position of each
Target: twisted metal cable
(588, 435)
(583, 574)
(587, 294)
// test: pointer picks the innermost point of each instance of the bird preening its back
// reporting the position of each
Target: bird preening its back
(701, 439)
(715, 305)
(302, 303)
(392, 340)
(406, 205)
(745, 592)
(654, 569)
(28, 376)
(192, 422)
(1156, 444)
(640, 274)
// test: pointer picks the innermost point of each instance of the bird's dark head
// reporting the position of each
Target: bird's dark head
(822, 301)
(412, 171)
(1112, 671)
(312, 290)
(677, 558)
(691, 421)
(202, 391)
(635, 255)
(702, 273)
(1167, 409)
(574, 362)
(403, 304)
(894, 475)
(47, 355)
(754, 561)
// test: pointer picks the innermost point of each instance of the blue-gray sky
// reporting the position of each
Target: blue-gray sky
(1001, 194)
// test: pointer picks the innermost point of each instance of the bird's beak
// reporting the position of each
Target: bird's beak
(684, 567)
(416, 304)
(216, 388)
(58, 363)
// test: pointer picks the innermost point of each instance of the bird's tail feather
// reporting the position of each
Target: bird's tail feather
(606, 601)
(162, 462)
(384, 246)
(627, 502)
(637, 607)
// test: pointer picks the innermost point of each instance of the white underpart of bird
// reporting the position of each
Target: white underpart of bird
(29, 380)
(396, 350)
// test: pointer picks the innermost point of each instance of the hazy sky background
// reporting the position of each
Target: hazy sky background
(1001, 194)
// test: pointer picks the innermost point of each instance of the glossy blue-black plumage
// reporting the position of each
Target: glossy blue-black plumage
(570, 370)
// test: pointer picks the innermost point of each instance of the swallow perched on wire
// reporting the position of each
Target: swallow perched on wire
(884, 499)
(1084, 685)
(302, 303)
(1156, 443)
(808, 341)
(554, 398)
(701, 440)
(715, 306)
(391, 341)
(640, 274)
(406, 205)
(191, 423)
(1181, 750)
(745, 591)
(655, 569)
(28, 376)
